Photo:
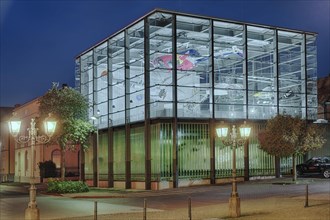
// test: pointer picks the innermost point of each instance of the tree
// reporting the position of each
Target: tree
(286, 135)
(71, 111)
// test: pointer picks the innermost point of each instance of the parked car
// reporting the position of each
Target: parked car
(315, 165)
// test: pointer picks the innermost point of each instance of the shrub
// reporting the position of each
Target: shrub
(57, 186)
(47, 169)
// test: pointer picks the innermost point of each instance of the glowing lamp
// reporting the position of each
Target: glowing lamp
(222, 131)
(50, 125)
(14, 126)
(245, 130)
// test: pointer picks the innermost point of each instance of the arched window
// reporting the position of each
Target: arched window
(26, 163)
(19, 163)
(56, 158)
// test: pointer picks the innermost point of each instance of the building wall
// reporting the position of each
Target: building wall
(194, 157)
(43, 152)
(23, 154)
(323, 85)
(163, 84)
(7, 148)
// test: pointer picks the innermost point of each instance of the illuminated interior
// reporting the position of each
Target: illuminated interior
(223, 70)
(169, 65)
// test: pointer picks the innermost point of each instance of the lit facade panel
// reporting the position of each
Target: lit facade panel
(202, 67)
(229, 70)
(261, 59)
(118, 155)
(311, 73)
(117, 87)
(160, 52)
(100, 86)
(103, 156)
(163, 84)
(292, 74)
(193, 67)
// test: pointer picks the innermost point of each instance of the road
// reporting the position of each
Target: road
(213, 194)
(14, 201)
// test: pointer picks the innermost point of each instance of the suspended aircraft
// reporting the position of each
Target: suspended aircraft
(190, 58)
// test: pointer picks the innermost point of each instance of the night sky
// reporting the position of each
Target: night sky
(40, 39)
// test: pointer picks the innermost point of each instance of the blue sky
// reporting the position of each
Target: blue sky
(39, 39)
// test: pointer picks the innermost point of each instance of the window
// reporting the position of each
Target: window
(26, 160)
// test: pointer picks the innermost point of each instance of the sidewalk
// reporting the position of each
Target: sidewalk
(278, 207)
(129, 193)
(274, 208)
(128, 204)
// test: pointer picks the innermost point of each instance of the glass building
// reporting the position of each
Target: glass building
(160, 86)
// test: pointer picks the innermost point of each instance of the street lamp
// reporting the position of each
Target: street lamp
(234, 141)
(32, 212)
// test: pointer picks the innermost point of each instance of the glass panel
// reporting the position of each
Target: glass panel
(155, 152)
(193, 151)
(137, 154)
(119, 155)
(260, 163)
(161, 152)
(103, 156)
(101, 84)
(311, 65)
(161, 77)
(292, 95)
(135, 90)
(264, 165)
(229, 78)
(77, 74)
(194, 67)
(89, 163)
(262, 81)
(86, 79)
(117, 79)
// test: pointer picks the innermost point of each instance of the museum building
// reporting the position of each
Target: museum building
(161, 86)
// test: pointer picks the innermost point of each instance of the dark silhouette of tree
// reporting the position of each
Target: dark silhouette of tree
(290, 136)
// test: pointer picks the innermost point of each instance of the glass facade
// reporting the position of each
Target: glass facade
(162, 84)
(199, 66)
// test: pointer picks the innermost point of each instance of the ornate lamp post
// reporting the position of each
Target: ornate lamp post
(32, 212)
(234, 141)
